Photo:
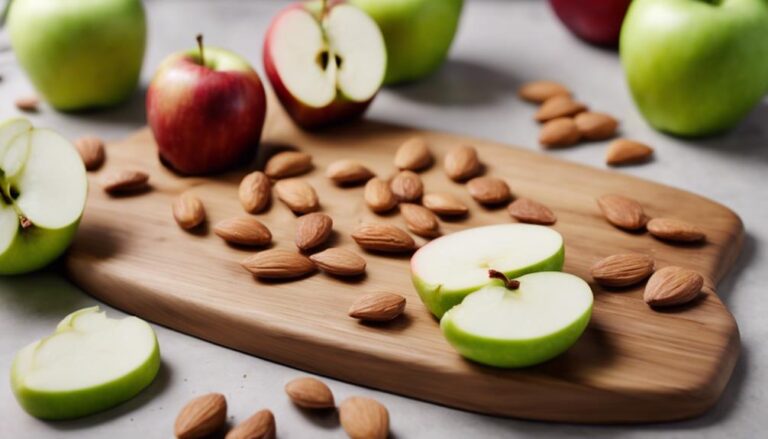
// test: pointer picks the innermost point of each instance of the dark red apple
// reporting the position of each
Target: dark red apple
(596, 21)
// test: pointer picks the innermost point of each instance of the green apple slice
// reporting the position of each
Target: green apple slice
(90, 363)
(451, 267)
(10, 129)
(542, 316)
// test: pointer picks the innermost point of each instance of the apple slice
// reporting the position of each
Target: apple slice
(449, 268)
(90, 363)
(535, 318)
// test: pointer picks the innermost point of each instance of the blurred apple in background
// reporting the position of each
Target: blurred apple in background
(595, 21)
(418, 34)
(79, 54)
(696, 67)
(326, 62)
(206, 108)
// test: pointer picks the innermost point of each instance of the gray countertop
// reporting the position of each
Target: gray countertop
(500, 45)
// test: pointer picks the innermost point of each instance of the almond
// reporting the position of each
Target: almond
(622, 212)
(383, 237)
(243, 231)
(378, 195)
(625, 152)
(310, 393)
(559, 132)
(188, 211)
(675, 230)
(420, 220)
(261, 425)
(255, 192)
(28, 104)
(407, 186)
(444, 204)
(539, 91)
(124, 181)
(462, 163)
(559, 106)
(377, 307)
(278, 264)
(596, 126)
(288, 164)
(201, 416)
(312, 230)
(672, 286)
(347, 172)
(364, 418)
(413, 155)
(526, 210)
(91, 150)
(298, 195)
(489, 190)
(622, 270)
(339, 262)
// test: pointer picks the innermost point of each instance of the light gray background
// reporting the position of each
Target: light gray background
(500, 44)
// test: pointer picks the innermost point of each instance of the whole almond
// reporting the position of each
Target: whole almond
(625, 152)
(377, 307)
(310, 393)
(462, 163)
(444, 204)
(298, 195)
(28, 104)
(347, 172)
(526, 210)
(413, 155)
(539, 91)
(559, 106)
(672, 286)
(559, 132)
(91, 150)
(622, 270)
(489, 190)
(596, 126)
(188, 211)
(243, 231)
(378, 195)
(407, 186)
(420, 220)
(201, 416)
(278, 264)
(124, 181)
(339, 262)
(383, 237)
(288, 164)
(675, 230)
(255, 192)
(622, 212)
(261, 425)
(312, 230)
(364, 418)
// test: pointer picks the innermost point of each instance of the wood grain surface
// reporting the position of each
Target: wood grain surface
(632, 364)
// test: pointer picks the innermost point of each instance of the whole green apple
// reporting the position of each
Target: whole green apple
(80, 54)
(417, 33)
(696, 67)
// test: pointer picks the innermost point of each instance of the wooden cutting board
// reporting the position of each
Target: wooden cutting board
(631, 365)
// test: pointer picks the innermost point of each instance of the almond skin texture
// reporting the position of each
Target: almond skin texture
(377, 307)
(255, 192)
(671, 286)
(310, 393)
(627, 152)
(596, 126)
(124, 181)
(622, 270)
(539, 91)
(312, 230)
(444, 204)
(188, 211)
(420, 220)
(623, 212)
(413, 155)
(559, 106)
(384, 238)
(364, 418)
(298, 195)
(278, 264)
(201, 416)
(243, 231)
(407, 186)
(670, 229)
(339, 262)
(261, 425)
(27, 104)
(91, 150)
(288, 164)
(462, 163)
(348, 172)
(489, 191)
(378, 195)
(560, 132)
(528, 211)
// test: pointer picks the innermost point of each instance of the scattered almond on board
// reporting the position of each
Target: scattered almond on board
(288, 164)
(526, 210)
(255, 192)
(676, 230)
(379, 196)
(420, 220)
(188, 211)
(671, 286)
(407, 186)
(339, 262)
(243, 230)
(278, 264)
(444, 204)
(383, 237)
(623, 212)
(377, 307)
(124, 181)
(91, 150)
(622, 270)
(489, 191)
(413, 155)
(298, 195)
(312, 230)
(348, 172)
(462, 163)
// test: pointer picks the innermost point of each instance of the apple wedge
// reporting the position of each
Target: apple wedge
(90, 363)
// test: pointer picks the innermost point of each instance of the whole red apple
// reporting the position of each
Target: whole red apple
(206, 108)
(596, 21)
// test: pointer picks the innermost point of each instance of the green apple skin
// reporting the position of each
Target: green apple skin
(696, 67)
(35, 248)
(80, 54)
(417, 33)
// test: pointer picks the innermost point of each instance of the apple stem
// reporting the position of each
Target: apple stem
(200, 46)
(510, 284)
(24, 222)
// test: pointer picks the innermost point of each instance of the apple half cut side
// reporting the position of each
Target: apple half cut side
(90, 363)
(324, 67)
(541, 318)
(449, 268)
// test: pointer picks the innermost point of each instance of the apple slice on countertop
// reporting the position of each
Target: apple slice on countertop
(535, 318)
(449, 268)
(90, 363)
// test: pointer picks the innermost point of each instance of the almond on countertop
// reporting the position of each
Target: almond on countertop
(364, 418)
(676, 230)
(339, 262)
(124, 181)
(91, 150)
(444, 204)
(626, 152)
(243, 230)
(539, 91)
(559, 106)
(278, 264)
(622, 270)
(623, 212)
(671, 286)
(310, 393)
(489, 190)
(201, 417)
(407, 186)
(255, 192)
(298, 195)
(384, 238)
(526, 210)
(188, 211)
(260, 425)
(420, 220)
(378, 307)
(28, 104)
(596, 126)
(288, 164)
(348, 172)
(462, 163)
(378, 195)
(312, 230)
(413, 155)
(559, 132)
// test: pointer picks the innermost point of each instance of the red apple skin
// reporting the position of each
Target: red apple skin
(595, 21)
(205, 121)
